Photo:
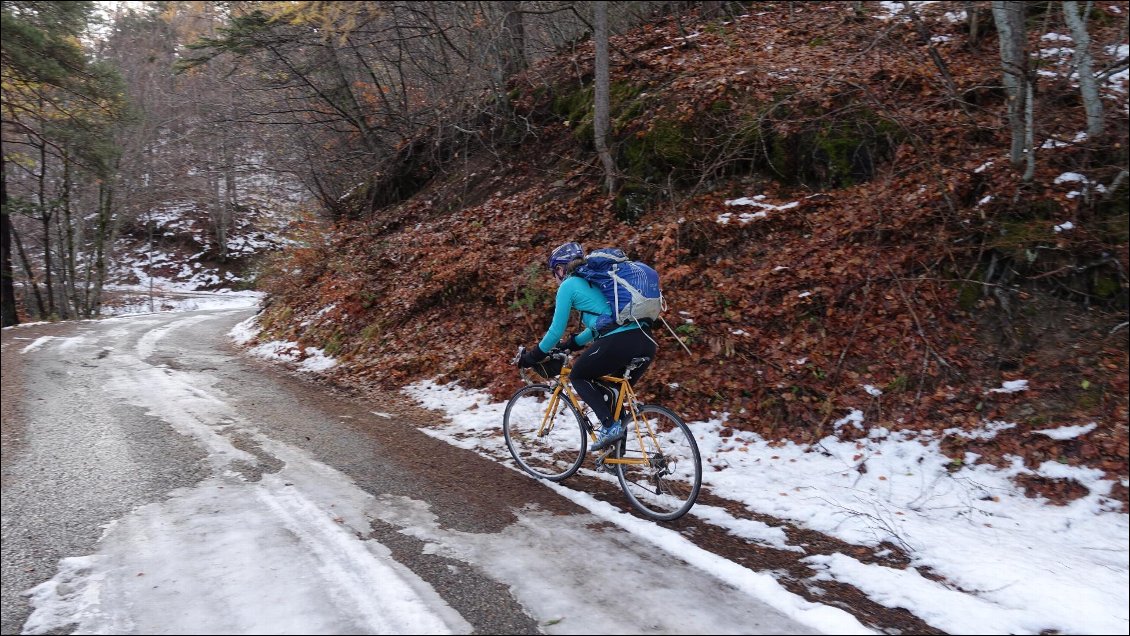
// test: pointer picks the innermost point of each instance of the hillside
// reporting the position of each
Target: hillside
(173, 245)
(843, 243)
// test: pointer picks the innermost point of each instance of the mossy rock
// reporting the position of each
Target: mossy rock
(633, 201)
(577, 108)
(1106, 287)
(650, 157)
(1019, 238)
(1112, 215)
(827, 154)
(626, 112)
(573, 105)
(968, 293)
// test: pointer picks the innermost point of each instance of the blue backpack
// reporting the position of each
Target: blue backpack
(631, 287)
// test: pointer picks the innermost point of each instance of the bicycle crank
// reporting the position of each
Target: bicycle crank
(600, 464)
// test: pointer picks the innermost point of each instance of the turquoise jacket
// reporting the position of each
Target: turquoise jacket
(576, 293)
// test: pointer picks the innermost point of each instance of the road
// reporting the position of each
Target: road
(156, 481)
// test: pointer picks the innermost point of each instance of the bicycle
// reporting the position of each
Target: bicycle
(657, 463)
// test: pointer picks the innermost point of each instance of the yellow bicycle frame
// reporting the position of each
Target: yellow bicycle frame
(626, 393)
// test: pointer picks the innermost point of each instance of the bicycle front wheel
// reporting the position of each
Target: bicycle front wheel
(549, 443)
(664, 473)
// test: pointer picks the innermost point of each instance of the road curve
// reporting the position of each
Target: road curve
(128, 440)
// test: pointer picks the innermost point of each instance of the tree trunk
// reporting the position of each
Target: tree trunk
(62, 280)
(927, 37)
(514, 55)
(973, 21)
(231, 200)
(45, 218)
(600, 107)
(39, 308)
(1092, 102)
(1009, 18)
(218, 211)
(8, 314)
(67, 240)
(101, 239)
(1029, 131)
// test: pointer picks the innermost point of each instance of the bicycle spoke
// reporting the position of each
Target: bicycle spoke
(549, 444)
(665, 486)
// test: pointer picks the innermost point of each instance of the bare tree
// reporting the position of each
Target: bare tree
(58, 104)
(387, 94)
(1088, 86)
(1009, 18)
(973, 22)
(514, 53)
(601, 106)
(8, 308)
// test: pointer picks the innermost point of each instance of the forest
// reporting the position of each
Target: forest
(885, 208)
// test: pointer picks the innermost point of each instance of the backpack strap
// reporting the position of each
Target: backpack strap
(680, 340)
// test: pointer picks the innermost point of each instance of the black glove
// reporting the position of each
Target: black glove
(571, 344)
(531, 357)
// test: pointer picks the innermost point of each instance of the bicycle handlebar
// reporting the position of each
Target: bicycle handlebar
(560, 354)
(527, 377)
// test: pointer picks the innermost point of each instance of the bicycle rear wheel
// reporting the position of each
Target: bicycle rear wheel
(665, 486)
(547, 444)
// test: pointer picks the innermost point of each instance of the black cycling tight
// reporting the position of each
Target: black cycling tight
(609, 356)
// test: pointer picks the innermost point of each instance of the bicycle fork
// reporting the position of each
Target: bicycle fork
(549, 418)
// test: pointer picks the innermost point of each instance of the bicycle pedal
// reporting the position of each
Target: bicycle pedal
(601, 466)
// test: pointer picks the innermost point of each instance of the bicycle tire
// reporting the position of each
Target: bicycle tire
(558, 453)
(666, 487)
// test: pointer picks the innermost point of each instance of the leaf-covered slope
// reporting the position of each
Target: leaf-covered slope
(842, 241)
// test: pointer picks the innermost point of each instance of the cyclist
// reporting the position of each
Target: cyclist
(610, 353)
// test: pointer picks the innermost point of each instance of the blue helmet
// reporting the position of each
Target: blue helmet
(564, 254)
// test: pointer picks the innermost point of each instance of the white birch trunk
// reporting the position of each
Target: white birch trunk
(1009, 18)
(1088, 86)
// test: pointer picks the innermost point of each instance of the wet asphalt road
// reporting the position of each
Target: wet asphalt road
(84, 444)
